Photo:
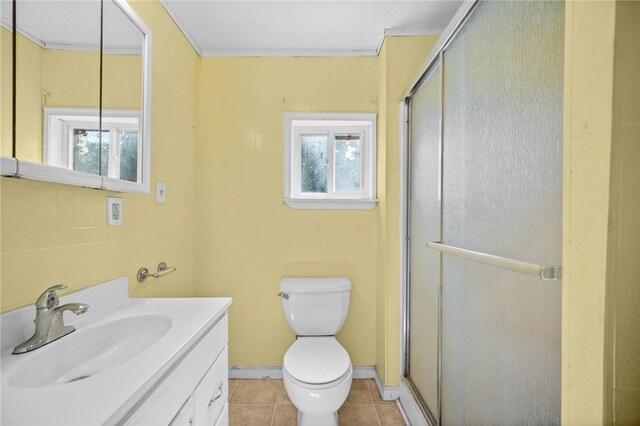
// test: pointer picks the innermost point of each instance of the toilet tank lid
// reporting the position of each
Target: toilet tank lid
(314, 285)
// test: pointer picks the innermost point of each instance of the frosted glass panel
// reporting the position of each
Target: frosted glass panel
(347, 163)
(424, 226)
(502, 196)
(313, 155)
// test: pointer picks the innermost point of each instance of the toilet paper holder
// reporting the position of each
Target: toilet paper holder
(163, 269)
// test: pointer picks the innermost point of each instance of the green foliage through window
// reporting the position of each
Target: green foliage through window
(90, 155)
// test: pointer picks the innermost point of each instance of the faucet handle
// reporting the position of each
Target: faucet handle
(49, 299)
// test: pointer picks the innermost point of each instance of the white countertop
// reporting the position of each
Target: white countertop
(107, 396)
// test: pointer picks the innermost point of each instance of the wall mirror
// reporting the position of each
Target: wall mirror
(82, 94)
(6, 72)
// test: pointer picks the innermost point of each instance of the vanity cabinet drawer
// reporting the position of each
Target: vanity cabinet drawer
(213, 392)
(186, 414)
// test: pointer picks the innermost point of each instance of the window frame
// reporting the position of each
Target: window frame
(332, 124)
(59, 124)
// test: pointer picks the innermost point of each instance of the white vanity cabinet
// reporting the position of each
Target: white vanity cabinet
(195, 391)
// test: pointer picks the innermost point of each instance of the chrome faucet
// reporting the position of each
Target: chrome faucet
(49, 322)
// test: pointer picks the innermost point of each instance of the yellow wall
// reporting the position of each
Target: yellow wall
(54, 233)
(400, 59)
(6, 92)
(248, 238)
(70, 78)
(622, 346)
(601, 286)
(122, 81)
(587, 134)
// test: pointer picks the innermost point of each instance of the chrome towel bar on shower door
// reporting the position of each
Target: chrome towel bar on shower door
(549, 272)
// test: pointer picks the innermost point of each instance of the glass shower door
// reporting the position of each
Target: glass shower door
(502, 195)
(424, 225)
(485, 175)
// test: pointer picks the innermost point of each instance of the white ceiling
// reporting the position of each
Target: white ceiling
(73, 25)
(304, 28)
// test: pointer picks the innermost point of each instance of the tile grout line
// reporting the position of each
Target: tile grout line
(273, 416)
(231, 393)
(374, 404)
(275, 406)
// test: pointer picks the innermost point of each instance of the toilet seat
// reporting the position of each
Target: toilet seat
(317, 360)
(313, 387)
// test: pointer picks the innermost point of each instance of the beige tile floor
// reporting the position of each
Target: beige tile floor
(265, 402)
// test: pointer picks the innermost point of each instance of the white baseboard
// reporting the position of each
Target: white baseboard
(255, 372)
(364, 372)
(389, 393)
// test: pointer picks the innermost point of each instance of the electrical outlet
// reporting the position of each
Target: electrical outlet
(161, 193)
(114, 211)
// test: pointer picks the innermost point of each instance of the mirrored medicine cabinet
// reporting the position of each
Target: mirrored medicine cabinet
(76, 81)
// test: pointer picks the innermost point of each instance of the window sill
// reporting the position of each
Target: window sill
(330, 204)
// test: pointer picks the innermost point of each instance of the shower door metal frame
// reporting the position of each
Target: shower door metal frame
(436, 57)
(434, 419)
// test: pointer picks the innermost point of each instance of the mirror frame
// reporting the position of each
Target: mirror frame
(14, 167)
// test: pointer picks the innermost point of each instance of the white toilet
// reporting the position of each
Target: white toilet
(317, 371)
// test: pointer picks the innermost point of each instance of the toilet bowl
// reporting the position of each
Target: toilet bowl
(317, 371)
(317, 374)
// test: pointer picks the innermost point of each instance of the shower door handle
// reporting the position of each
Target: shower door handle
(544, 272)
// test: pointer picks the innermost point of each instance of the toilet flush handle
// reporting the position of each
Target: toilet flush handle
(283, 295)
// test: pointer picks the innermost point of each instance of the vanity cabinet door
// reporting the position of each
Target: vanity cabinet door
(186, 414)
(223, 420)
(212, 393)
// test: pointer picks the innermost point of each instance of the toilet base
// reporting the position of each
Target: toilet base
(317, 404)
(308, 420)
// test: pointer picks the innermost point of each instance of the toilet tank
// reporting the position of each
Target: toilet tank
(315, 306)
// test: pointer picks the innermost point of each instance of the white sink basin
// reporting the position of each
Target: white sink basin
(91, 351)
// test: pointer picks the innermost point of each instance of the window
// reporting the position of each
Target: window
(330, 161)
(73, 140)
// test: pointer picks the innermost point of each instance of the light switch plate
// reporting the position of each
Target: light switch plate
(114, 211)
(161, 193)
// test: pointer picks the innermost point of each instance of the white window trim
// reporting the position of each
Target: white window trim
(59, 124)
(314, 122)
